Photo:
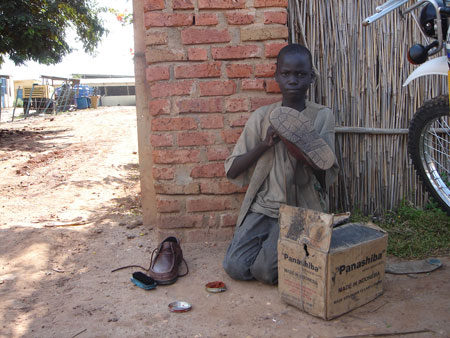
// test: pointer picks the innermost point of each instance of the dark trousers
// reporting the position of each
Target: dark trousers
(252, 253)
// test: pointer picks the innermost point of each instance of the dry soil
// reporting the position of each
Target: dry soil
(70, 213)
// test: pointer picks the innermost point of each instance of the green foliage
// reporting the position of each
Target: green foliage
(417, 233)
(358, 217)
(445, 178)
(36, 29)
(19, 103)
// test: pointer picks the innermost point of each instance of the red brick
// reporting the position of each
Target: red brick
(257, 84)
(228, 220)
(204, 235)
(234, 105)
(217, 153)
(264, 33)
(204, 105)
(163, 173)
(209, 170)
(177, 189)
(236, 52)
(160, 19)
(179, 221)
(187, 139)
(240, 18)
(272, 86)
(272, 49)
(197, 54)
(159, 107)
(265, 70)
(206, 19)
(165, 205)
(271, 3)
(222, 187)
(202, 70)
(239, 70)
(174, 123)
(208, 204)
(257, 102)
(156, 38)
(165, 89)
(157, 73)
(192, 36)
(153, 5)
(230, 136)
(182, 4)
(239, 120)
(211, 220)
(216, 88)
(171, 156)
(275, 17)
(211, 122)
(165, 140)
(153, 55)
(221, 4)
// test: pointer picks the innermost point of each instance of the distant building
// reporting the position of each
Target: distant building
(114, 90)
(6, 91)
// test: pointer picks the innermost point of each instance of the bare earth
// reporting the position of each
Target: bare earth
(70, 213)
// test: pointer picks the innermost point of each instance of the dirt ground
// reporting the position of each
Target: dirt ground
(70, 213)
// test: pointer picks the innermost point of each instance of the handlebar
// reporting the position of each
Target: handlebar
(392, 5)
(384, 9)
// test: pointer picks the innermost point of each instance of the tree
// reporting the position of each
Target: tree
(36, 29)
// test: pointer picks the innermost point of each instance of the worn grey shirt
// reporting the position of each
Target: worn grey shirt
(277, 185)
(276, 170)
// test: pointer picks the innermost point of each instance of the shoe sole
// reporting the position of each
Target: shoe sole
(166, 282)
(296, 128)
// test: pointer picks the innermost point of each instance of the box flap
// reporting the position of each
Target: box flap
(339, 219)
(291, 225)
(374, 226)
(306, 226)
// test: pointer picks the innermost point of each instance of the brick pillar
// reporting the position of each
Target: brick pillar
(210, 63)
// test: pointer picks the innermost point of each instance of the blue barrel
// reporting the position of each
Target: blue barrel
(82, 91)
(82, 103)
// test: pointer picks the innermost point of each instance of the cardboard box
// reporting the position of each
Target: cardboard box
(327, 269)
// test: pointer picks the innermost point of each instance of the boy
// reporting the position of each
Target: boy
(296, 171)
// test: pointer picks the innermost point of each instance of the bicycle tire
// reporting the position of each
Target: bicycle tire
(429, 148)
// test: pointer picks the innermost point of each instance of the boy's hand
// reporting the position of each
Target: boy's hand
(271, 137)
(244, 161)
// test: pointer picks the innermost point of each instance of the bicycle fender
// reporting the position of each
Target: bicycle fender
(436, 66)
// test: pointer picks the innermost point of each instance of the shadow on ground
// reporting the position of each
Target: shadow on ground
(31, 140)
(57, 282)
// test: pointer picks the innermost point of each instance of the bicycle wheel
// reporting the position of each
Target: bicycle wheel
(429, 148)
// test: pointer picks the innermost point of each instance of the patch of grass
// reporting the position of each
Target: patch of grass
(414, 233)
(358, 217)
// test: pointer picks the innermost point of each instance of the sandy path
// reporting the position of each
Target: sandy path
(56, 281)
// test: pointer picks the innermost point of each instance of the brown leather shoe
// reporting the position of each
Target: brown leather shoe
(166, 261)
(302, 140)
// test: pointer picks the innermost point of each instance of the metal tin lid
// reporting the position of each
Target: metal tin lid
(180, 306)
(215, 287)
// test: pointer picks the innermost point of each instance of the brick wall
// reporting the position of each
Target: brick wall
(210, 63)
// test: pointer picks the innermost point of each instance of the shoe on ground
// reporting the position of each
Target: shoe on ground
(165, 261)
(302, 140)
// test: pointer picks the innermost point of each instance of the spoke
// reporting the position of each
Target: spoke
(436, 148)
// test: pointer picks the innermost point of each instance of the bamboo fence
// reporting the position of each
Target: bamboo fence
(360, 75)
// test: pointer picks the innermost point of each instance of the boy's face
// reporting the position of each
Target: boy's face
(294, 75)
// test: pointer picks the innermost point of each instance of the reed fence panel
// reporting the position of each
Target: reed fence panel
(360, 75)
